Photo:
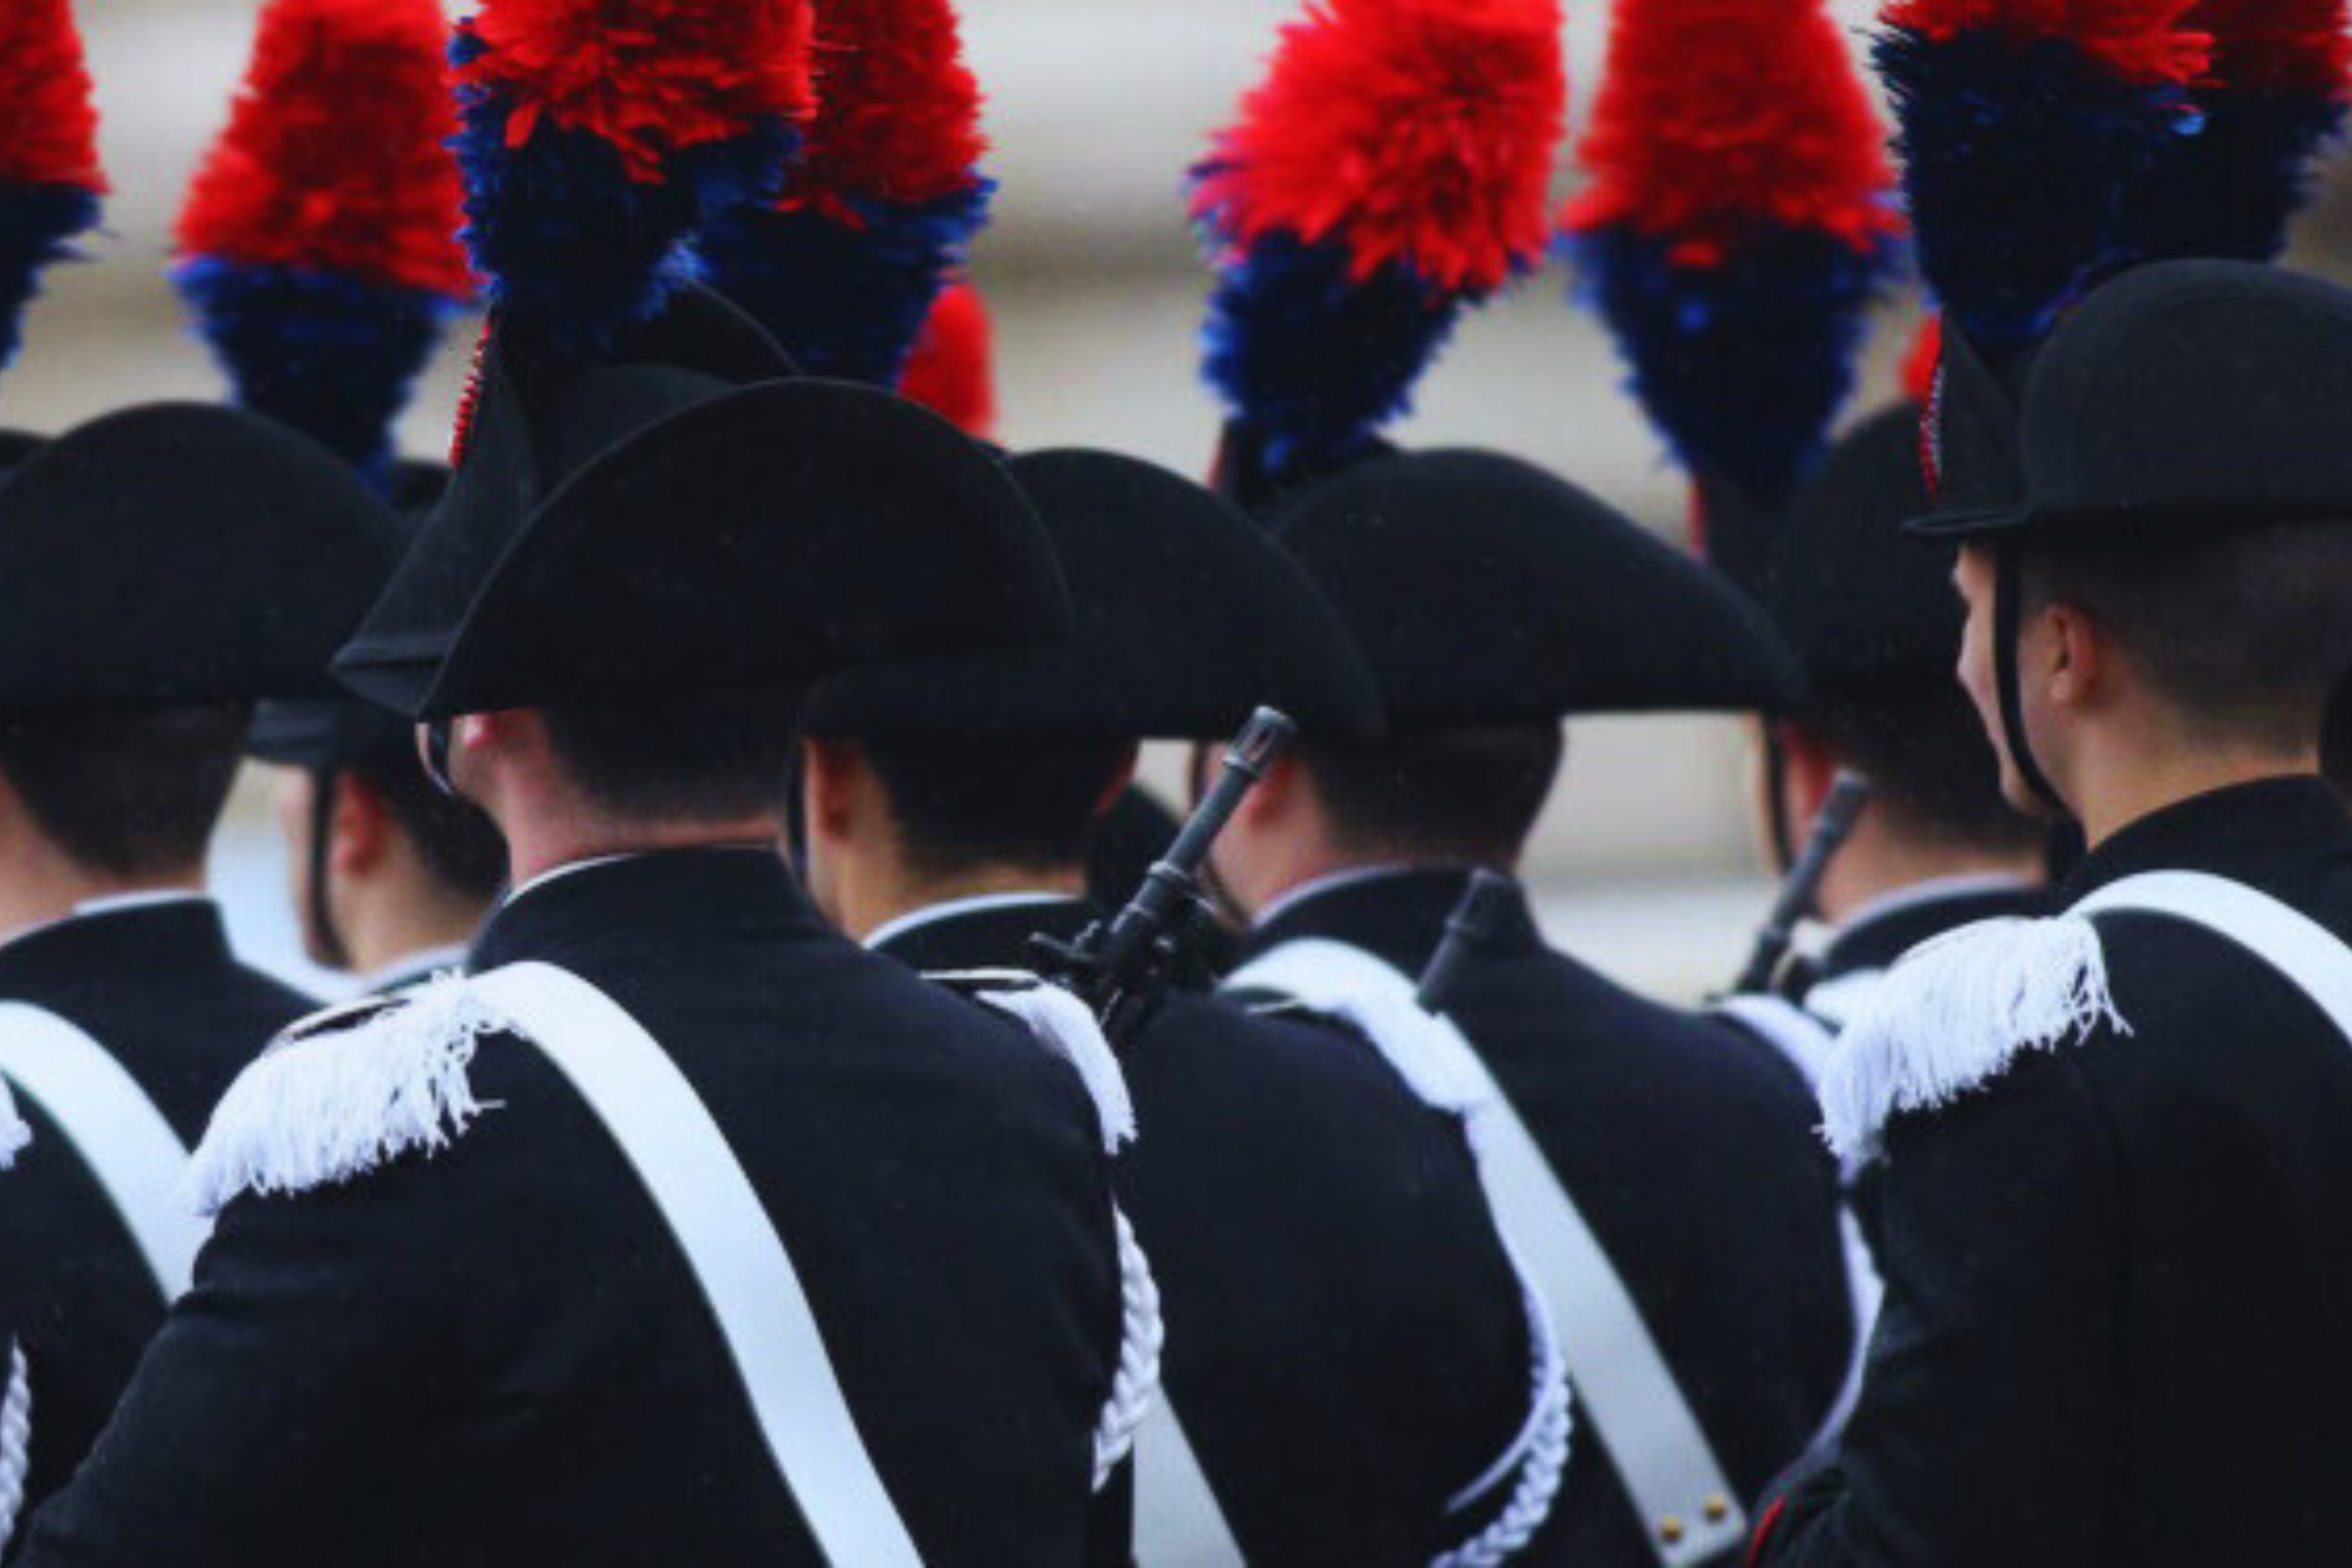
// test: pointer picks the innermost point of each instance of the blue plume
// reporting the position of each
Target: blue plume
(319, 353)
(568, 242)
(37, 220)
(1742, 364)
(2015, 160)
(2231, 189)
(1312, 362)
(846, 302)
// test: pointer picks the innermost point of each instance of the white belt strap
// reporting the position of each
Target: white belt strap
(1690, 1511)
(1178, 1523)
(1798, 1036)
(691, 1173)
(114, 1126)
(2314, 958)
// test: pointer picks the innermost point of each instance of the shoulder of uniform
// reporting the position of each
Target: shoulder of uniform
(1064, 1026)
(343, 1091)
(1958, 1013)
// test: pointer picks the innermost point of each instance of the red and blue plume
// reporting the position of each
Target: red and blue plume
(2021, 124)
(50, 182)
(2274, 98)
(953, 368)
(883, 206)
(1391, 169)
(319, 244)
(599, 136)
(1739, 221)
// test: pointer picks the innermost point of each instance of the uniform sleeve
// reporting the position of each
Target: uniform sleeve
(1986, 1410)
(258, 1425)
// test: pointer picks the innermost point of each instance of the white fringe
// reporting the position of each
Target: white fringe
(1955, 1013)
(1068, 1027)
(1134, 1387)
(323, 1108)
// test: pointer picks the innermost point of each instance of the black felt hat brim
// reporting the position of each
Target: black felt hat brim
(1187, 619)
(1484, 591)
(758, 539)
(182, 553)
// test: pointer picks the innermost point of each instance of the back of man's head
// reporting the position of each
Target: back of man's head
(2242, 635)
(124, 794)
(1934, 779)
(456, 843)
(1449, 797)
(702, 758)
(966, 807)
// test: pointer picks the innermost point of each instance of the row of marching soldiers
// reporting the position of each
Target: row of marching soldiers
(702, 764)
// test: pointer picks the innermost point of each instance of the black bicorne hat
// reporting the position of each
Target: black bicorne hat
(1187, 619)
(1485, 591)
(1866, 608)
(2187, 396)
(676, 515)
(181, 553)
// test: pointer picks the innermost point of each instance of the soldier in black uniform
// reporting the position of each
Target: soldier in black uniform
(1493, 599)
(132, 652)
(472, 1300)
(2113, 1151)
(1350, 1352)
(390, 877)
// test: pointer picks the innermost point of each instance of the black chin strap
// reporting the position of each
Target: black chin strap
(1775, 798)
(323, 824)
(436, 756)
(2008, 614)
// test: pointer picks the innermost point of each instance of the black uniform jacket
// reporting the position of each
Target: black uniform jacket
(1870, 944)
(1688, 1146)
(157, 986)
(2117, 1275)
(498, 1355)
(1348, 1344)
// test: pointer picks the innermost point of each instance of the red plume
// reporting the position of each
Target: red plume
(1414, 133)
(897, 116)
(1720, 116)
(336, 155)
(2142, 41)
(2298, 46)
(653, 77)
(48, 123)
(953, 372)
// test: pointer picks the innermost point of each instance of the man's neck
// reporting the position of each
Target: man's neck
(1873, 864)
(2113, 792)
(39, 887)
(384, 934)
(886, 899)
(536, 848)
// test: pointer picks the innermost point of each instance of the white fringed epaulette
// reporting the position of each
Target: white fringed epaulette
(1955, 1013)
(345, 1091)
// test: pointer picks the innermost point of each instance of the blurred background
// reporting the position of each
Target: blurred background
(1646, 862)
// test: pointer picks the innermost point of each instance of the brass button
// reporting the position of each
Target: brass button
(1670, 1530)
(1719, 1508)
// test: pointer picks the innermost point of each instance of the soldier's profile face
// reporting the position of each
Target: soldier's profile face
(1973, 577)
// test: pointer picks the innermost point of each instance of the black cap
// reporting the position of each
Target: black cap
(1189, 617)
(2186, 397)
(182, 553)
(1485, 591)
(1865, 608)
(676, 516)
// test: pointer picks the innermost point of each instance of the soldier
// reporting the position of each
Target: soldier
(1492, 600)
(2113, 1145)
(1352, 1358)
(132, 548)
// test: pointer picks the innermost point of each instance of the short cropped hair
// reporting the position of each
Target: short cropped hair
(696, 758)
(1934, 776)
(1461, 796)
(460, 847)
(966, 805)
(2245, 633)
(126, 792)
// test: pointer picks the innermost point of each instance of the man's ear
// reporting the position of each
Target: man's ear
(1276, 797)
(835, 783)
(1808, 772)
(360, 828)
(2074, 659)
(1120, 778)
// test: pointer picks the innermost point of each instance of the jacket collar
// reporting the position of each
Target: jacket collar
(985, 933)
(135, 937)
(2252, 832)
(1886, 929)
(730, 888)
(1399, 917)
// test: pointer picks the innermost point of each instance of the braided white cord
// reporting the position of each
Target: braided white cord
(1543, 1448)
(1136, 1383)
(16, 1440)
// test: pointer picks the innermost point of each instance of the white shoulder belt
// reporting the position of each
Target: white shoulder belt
(682, 1156)
(2314, 958)
(116, 1129)
(1690, 1511)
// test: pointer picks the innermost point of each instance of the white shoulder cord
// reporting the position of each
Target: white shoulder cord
(16, 1440)
(1542, 1451)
